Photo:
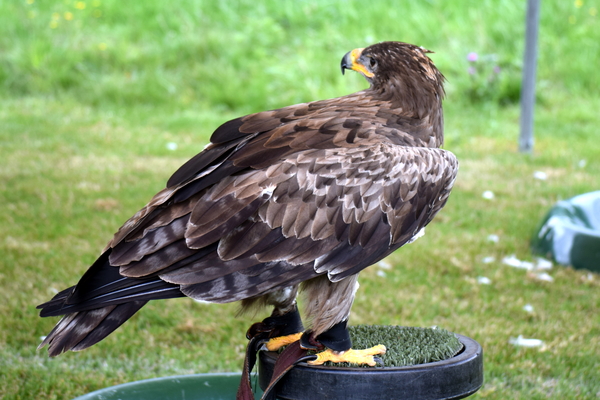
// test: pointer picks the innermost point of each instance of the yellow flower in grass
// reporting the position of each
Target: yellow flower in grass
(80, 5)
(102, 46)
(578, 3)
(68, 16)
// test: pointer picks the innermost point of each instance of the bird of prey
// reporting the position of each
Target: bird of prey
(305, 196)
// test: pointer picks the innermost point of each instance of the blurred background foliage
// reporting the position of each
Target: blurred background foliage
(249, 55)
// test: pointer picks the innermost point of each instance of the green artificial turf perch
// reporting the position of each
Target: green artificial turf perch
(405, 345)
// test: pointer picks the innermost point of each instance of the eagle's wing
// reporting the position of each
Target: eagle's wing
(281, 197)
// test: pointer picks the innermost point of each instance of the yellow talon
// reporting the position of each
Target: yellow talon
(351, 356)
(278, 342)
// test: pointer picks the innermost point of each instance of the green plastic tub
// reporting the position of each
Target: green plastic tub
(183, 387)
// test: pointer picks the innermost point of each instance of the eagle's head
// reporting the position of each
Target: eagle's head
(397, 71)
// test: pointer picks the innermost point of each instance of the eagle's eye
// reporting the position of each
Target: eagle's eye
(372, 62)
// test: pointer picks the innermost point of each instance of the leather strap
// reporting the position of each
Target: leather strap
(245, 389)
(336, 338)
(258, 334)
(292, 355)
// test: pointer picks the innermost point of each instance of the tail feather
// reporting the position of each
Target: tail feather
(80, 330)
(137, 291)
(102, 285)
(56, 302)
(112, 321)
(101, 301)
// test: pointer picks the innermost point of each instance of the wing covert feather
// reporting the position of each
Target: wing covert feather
(326, 191)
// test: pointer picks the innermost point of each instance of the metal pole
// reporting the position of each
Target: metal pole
(528, 85)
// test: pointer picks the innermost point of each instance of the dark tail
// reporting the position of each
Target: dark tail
(80, 330)
(101, 301)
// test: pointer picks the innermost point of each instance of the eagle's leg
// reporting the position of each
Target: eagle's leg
(337, 351)
(284, 326)
(284, 303)
(329, 308)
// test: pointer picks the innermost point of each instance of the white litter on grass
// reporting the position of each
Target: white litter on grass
(383, 264)
(528, 308)
(528, 265)
(488, 195)
(488, 259)
(493, 238)
(538, 264)
(542, 263)
(483, 280)
(582, 163)
(541, 175)
(543, 276)
(172, 146)
(524, 342)
(513, 261)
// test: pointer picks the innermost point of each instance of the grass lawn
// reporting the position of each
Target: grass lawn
(101, 101)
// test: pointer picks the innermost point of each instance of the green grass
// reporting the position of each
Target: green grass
(92, 93)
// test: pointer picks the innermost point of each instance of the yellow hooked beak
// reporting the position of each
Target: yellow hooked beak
(352, 61)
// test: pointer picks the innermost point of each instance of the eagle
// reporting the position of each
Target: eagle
(301, 198)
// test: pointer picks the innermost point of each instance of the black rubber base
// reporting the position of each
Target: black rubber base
(454, 378)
